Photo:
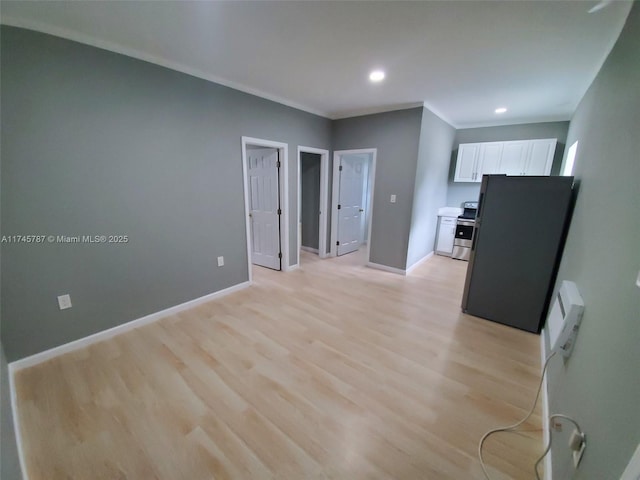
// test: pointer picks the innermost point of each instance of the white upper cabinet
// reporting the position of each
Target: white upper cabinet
(490, 155)
(466, 166)
(522, 157)
(540, 157)
(514, 158)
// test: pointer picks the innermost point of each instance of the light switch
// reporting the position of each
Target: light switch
(220, 261)
(393, 199)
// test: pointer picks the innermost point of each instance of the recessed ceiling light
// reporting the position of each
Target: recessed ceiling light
(376, 76)
(500, 110)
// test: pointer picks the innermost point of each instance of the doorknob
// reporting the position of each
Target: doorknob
(250, 215)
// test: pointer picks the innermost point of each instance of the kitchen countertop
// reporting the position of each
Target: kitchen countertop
(449, 211)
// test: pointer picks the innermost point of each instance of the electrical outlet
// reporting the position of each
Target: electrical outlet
(393, 199)
(64, 301)
(577, 456)
(577, 443)
(220, 261)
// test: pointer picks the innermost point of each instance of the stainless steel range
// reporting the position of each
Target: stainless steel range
(464, 232)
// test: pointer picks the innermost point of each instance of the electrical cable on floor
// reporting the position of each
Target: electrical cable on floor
(546, 450)
(515, 425)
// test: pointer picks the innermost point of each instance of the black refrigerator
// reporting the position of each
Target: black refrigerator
(517, 243)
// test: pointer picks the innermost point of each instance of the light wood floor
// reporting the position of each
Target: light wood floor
(332, 371)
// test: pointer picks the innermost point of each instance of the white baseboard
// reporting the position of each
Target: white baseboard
(308, 249)
(419, 262)
(386, 268)
(545, 409)
(632, 472)
(96, 337)
(16, 424)
(400, 271)
(117, 330)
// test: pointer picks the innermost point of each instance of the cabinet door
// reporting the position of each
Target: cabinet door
(489, 162)
(540, 157)
(467, 162)
(514, 155)
(446, 235)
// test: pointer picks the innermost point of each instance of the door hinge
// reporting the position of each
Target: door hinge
(280, 255)
(339, 206)
(340, 168)
(278, 164)
(279, 211)
(338, 243)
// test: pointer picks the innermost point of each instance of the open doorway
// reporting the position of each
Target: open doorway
(313, 184)
(264, 168)
(352, 205)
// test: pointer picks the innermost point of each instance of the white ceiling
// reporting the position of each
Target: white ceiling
(461, 59)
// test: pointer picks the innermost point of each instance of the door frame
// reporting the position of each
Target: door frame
(335, 195)
(283, 179)
(324, 194)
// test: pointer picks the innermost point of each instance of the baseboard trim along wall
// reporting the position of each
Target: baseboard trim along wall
(16, 425)
(308, 249)
(400, 271)
(96, 337)
(386, 268)
(632, 472)
(545, 408)
(419, 262)
(117, 330)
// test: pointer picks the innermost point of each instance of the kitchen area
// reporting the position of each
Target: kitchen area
(473, 160)
(510, 227)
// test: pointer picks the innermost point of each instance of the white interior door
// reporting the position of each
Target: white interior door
(350, 205)
(264, 207)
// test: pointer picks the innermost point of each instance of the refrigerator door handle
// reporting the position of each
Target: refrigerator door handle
(475, 237)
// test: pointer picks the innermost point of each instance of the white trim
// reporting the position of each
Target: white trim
(117, 330)
(247, 225)
(284, 197)
(632, 472)
(362, 112)
(324, 194)
(335, 193)
(439, 114)
(545, 408)
(386, 268)
(419, 262)
(16, 422)
(146, 57)
(308, 249)
(513, 121)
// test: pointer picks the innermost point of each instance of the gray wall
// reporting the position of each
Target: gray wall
(599, 385)
(461, 191)
(9, 463)
(310, 199)
(396, 136)
(94, 142)
(430, 190)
